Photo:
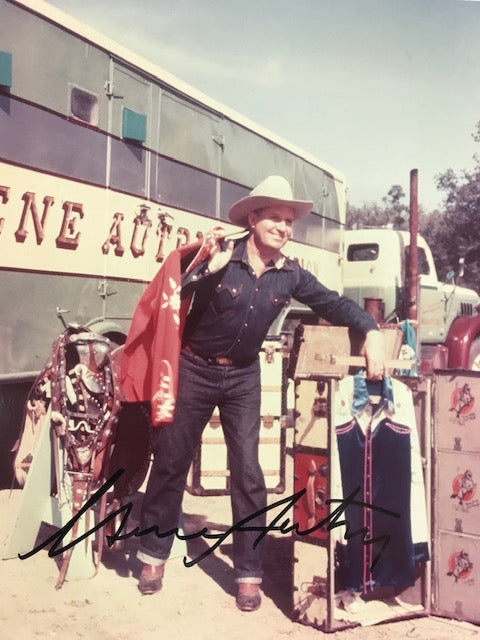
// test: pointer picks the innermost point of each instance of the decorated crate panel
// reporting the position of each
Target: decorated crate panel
(311, 475)
(209, 473)
(457, 499)
(457, 576)
(456, 415)
(311, 413)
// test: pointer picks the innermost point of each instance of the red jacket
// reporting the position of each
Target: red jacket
(149, 363)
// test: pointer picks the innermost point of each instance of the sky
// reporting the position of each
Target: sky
(373, 88)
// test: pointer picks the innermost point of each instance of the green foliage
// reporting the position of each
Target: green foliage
(365, 216)
(394, 212)
(458, 232)
(432, 226)
(452, 232)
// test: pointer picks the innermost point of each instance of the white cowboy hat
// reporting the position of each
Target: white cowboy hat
(273, 190)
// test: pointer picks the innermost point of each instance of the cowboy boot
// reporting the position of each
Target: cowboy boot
(151, 579)
(248, 596)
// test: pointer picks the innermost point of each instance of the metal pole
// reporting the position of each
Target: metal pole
(412, 301)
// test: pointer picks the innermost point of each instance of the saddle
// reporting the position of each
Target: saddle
(78, 389)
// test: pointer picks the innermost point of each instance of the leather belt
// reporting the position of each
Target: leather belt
(219, 360)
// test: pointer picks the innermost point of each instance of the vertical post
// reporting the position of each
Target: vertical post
(412, 274)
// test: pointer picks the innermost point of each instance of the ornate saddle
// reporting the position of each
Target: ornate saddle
(78, 389)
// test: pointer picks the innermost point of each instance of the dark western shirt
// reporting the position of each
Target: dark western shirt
(232, 310)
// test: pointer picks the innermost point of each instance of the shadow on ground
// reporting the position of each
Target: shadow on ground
(277, 559)
(277, 556)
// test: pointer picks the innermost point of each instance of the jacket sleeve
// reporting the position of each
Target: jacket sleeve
(149, 363)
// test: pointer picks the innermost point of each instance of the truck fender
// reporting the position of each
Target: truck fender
(463, 331)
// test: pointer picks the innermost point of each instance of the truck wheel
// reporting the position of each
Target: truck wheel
(474, 355)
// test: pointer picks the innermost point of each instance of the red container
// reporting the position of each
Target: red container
(311, 475)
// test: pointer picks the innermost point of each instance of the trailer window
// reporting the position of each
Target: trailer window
(188, 133)
(134, 125)
(423, 266)
(84, 105)
(309, 230)
(362, 252)
(5, 69)
(248, 157)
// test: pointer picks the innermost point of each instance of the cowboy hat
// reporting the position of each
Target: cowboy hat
(273, 190)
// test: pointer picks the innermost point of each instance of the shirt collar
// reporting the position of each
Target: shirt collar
(361, 397)
(240, 255)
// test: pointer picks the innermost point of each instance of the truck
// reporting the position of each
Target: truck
(376, 267)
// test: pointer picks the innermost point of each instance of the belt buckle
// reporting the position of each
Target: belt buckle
(223, 361)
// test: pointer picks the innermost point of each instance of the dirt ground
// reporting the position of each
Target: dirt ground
(196, 602)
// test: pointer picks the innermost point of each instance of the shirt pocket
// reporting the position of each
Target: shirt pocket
(278, 300)
(226, 298)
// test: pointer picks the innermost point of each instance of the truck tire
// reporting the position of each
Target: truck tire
(474, 355)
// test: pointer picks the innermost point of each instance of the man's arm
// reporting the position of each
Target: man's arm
(342, 311)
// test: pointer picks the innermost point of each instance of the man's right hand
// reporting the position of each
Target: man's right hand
(220, 257)
(374, 351)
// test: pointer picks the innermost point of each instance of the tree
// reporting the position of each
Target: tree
(394, 212)
(366, 216)
(457, 234)
(432, 226)
(453, 232)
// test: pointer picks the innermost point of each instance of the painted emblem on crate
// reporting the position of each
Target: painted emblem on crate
(461, 403)
(459, 565)
(464, 488)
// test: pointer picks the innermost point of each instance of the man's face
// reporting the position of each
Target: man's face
(272, 226)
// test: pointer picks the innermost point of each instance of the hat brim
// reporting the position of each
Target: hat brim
(240, 210)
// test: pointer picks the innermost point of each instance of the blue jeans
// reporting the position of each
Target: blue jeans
(202, 387)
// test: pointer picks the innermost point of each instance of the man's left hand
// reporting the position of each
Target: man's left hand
(374, 351)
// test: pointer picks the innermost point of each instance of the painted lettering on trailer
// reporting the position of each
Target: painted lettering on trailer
(97, 232)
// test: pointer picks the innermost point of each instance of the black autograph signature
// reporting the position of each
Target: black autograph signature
(331, 521)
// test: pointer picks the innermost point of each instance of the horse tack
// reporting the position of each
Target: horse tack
(80, 385)
(85, 401)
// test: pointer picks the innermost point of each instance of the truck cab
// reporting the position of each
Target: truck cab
(375, 264)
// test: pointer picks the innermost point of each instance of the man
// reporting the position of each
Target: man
(237, 295)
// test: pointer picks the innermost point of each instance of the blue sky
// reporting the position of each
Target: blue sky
(374, 88)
